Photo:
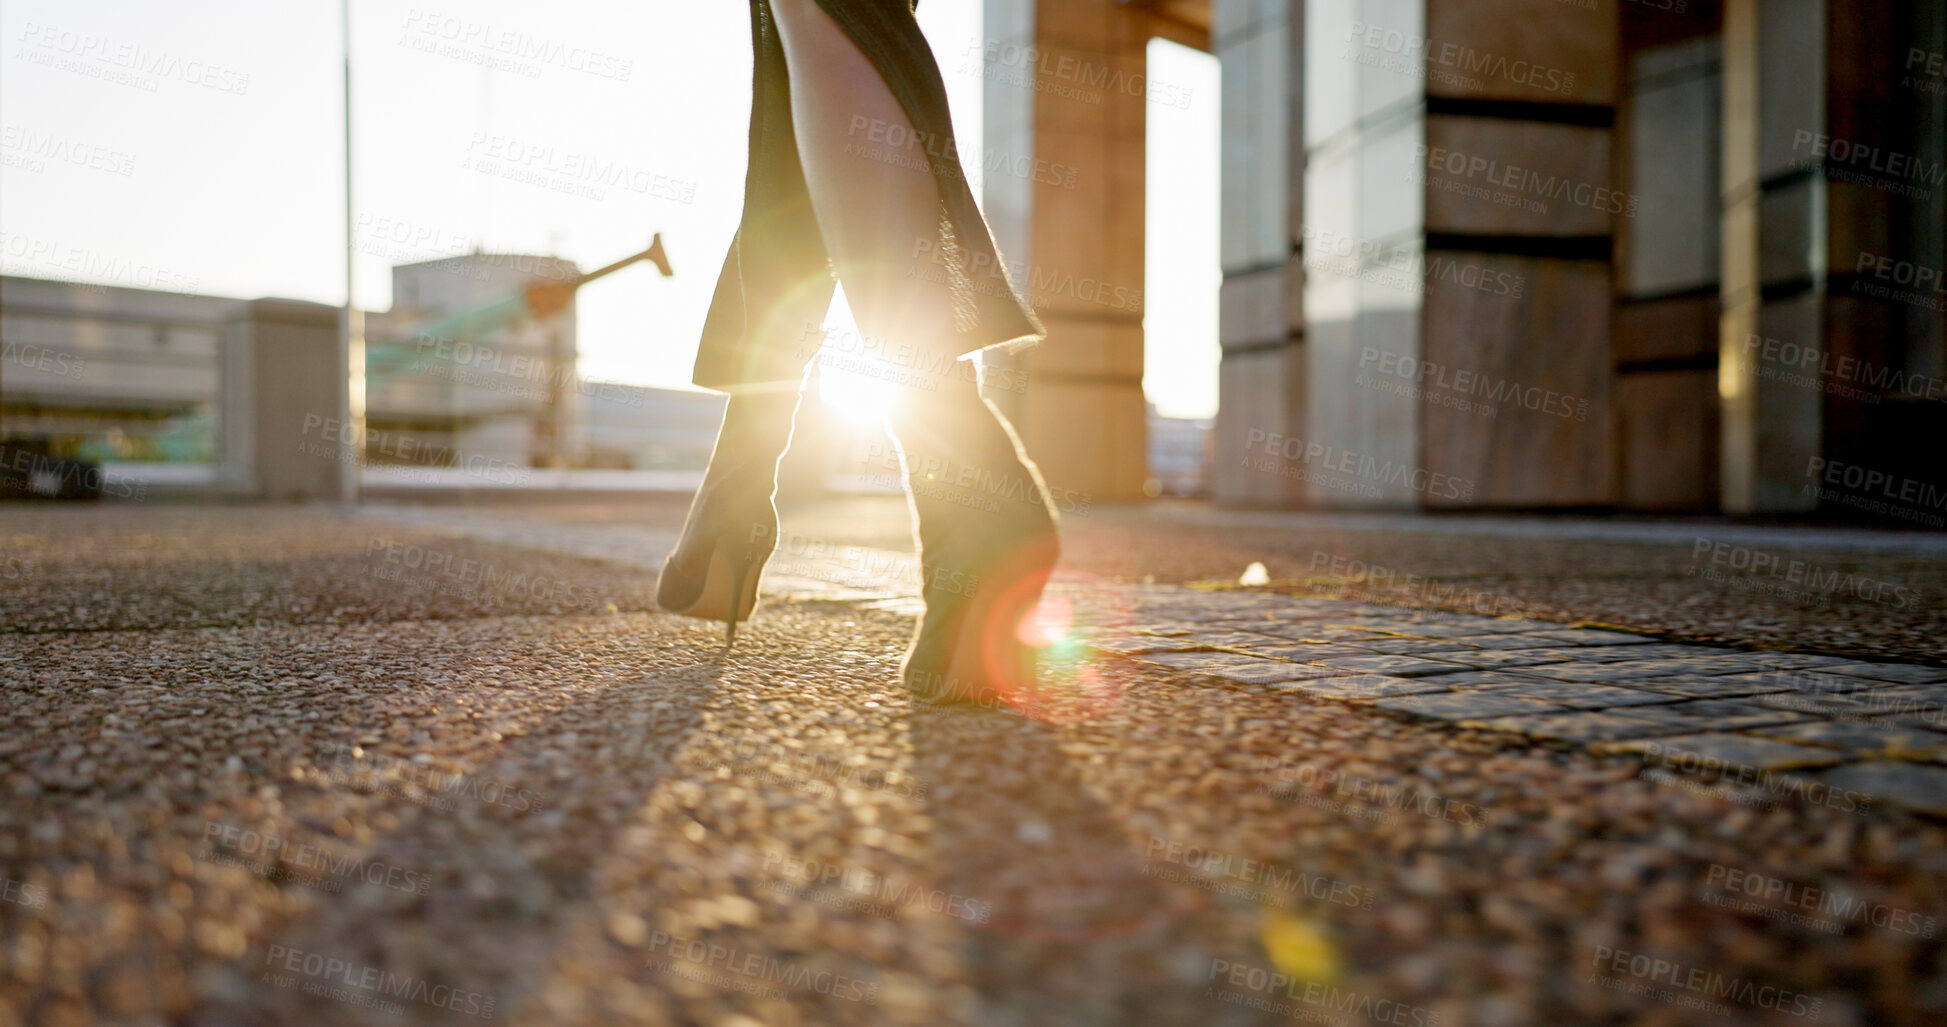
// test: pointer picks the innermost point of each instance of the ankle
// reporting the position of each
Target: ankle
(760, 410)
(756, 430)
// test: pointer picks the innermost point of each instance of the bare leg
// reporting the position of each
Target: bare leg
(987, 539)
(875, 213)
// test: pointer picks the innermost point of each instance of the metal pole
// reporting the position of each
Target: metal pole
(351, 356)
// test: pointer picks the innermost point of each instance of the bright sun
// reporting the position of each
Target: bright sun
(847, 383)
(851, 379)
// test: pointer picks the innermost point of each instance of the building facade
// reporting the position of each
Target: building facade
(204, 390)
(1645, 255)
(1674, 255)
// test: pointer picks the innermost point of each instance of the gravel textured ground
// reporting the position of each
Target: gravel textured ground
(277, 765)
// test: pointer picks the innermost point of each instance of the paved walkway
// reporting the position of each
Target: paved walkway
(1876, 731)
(422, 765)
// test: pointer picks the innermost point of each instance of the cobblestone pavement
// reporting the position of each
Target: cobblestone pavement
(1876, 730)
(435, 765)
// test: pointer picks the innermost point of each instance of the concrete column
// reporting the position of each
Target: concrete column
(1446, 201)
(1361, 239)
(1667, 156)
(1066, 99)
(1878, 159)
(1261, 326)
(1773, 237)
(1516, 402)
(286, 404)
(236, 423)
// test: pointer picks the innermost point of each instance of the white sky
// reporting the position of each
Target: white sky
(218, 170)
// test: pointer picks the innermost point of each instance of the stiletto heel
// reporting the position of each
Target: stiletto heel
(725, 586)
(732, 529)
(737, 577)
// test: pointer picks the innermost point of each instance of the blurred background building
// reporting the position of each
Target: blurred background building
(464, 388)
(1640, 255)
(457, 373)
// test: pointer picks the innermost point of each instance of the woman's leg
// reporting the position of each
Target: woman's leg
(987, 543)
(987, 538)
(877, 204)
(765, 322)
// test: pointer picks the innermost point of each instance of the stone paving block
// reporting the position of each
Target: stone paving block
(1487, 659)
(1459, 706)
(1239, 603)
(1302, 652)
(1719, 714)
(1365, 687)
(1584, 726)
(1908, 698)
(1391, 623)
(1729, 665)
(1903, 673)
(1915, 786)
(1857, 706)
(1397, 666)
(1587, 653)
(1629, 670)
(1230, 639)
(1132, 645)
(1213, 599)
(1413, 646)
(1862, 737)
(1918, 694)
(1810, 682)
(1679, 651)
(1593, 636)
(1417, 628)
(1932, 718)
(1344, 609)
(1728, 686)
(1725, 663)
(1476, 679)
(1321, 633)
(1172, 611)
(1210, 608)
(1504, 643)
(1934, 721)
(1510, 625)
(1170, 628)
(1718, 665)
(1239, 623)
(1200, 661)
(1895, 709)
(1266, 672)
(1578, 695)
(1477, 622)
(1718, 750)
(1797, 661)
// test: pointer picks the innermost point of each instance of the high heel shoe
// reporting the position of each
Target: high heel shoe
(970, 646)
(731, 532)
(985, 555)
(717, 580)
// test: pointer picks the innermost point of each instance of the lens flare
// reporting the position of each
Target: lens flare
(1049, 623)
(1298, 947)
(848, 385)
